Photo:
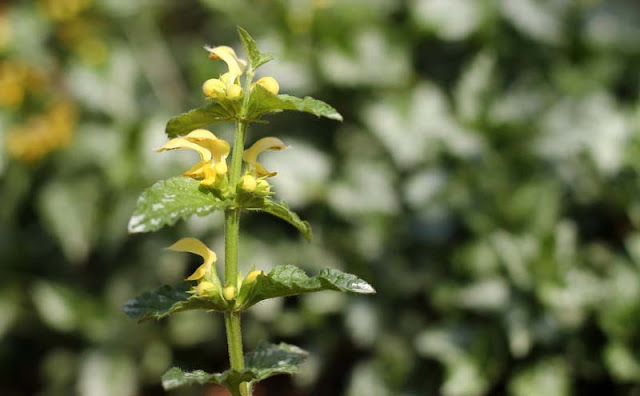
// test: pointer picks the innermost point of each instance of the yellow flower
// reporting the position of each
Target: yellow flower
(43, 133)
(228, 55)
(192, 245)
(213, 154)
(250, 155)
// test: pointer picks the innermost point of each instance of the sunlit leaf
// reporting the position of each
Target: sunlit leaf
(282, 211)
(266, 361)
(263, 102)
(289, 280)
(167, 300)
(169, 200)
(197, 118)
(256, 58)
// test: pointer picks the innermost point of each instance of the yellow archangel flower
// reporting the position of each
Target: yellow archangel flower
(250, 155)
(213, 154)
(228, 55)
(192, 245)
(227, 85)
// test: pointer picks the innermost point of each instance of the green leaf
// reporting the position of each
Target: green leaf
(197, 118)
(256, 58)
(169, 200)
(289, 280)
(266, 361)
(270, 359)
(282, 211)
(167, 300)
(263, 101)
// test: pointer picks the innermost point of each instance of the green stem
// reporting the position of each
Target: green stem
(234, 339)
(231, 236)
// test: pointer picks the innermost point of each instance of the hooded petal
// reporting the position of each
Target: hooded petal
(192, 245)
(250, 155)
(218, 148)
(183, 143)
(228, 55)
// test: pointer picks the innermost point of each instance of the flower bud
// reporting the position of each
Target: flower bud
(270, 84)
(251, 276)
(221, 168)
(263, 186)
(205, 287)
(234, 91)
(213, 88)
(229, 292)
(248, 183)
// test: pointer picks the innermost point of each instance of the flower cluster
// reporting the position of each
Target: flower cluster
(227, 86)
(212, 169)
(208, 282)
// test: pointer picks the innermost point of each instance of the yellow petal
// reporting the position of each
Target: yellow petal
(250, 155)
(209, 176)
(228, 55)
(221, 168)
(182, 143)
(268, 143)
(198, 169)
(192, 245)
(218, 148)
(198, 135)
(199, 273)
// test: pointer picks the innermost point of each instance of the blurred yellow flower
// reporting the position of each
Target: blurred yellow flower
(43, 133)
(62, 10)
(250, 155)
(213, 154)
(16, 80)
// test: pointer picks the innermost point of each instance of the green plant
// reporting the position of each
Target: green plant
(212, 185)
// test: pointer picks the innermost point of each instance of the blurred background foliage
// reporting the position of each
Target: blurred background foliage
(485, 181)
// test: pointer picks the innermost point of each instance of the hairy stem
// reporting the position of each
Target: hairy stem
(231, 236)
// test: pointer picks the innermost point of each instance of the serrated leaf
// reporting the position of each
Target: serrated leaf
(167, 300)
(282, 211)
(197, 118)
(167, 201)
(263, 102)
(266, 361)
(256, 58)
(289, 280)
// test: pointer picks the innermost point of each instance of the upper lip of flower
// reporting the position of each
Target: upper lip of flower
(195, 246)
(212, 151)
(228, 55)
(250, 155)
